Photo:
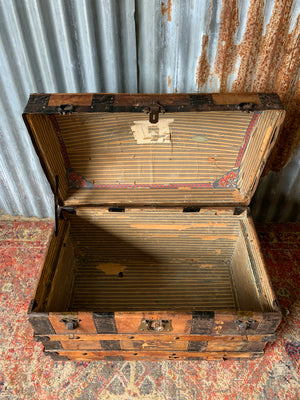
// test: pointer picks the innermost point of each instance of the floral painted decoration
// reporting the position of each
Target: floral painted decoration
(228, 180)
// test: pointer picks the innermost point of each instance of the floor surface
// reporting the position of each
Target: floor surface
(25, 373)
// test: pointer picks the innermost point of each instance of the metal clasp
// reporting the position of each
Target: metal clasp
(153, 110)
(71, 324)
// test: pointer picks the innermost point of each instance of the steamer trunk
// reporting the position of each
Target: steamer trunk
(154, 254)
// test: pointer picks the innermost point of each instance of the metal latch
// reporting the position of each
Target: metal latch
(71, 324)
(157, 325)
(153, 110)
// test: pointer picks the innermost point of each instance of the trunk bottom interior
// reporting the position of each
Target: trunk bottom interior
(157, 260)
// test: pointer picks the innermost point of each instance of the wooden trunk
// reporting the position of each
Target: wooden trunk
(154, 255)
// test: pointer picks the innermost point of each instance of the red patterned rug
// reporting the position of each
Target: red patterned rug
(25, 373)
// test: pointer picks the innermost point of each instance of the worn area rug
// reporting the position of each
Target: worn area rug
(25, 373)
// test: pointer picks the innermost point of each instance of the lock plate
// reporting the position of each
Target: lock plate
(245, 325)
(155, 325)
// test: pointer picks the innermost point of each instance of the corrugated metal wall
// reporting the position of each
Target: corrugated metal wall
(145, 46)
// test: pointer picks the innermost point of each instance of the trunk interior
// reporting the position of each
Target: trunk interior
(104, 260)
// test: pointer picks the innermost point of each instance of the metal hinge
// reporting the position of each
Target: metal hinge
(59, 209)
(245, 107)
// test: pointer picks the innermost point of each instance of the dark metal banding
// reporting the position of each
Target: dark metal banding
(110, 344)
(269, 323)
(41, 325)
(197, 346)
(202, 322)
(52, 345)
(105, 322)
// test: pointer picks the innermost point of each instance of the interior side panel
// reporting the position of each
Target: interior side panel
(62, 282)
(243, 279)
(46, 277)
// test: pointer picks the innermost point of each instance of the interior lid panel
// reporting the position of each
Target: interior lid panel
(186, 157)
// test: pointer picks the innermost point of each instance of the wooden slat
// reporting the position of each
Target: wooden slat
(163, 197)
(235, 346)
(82, 99)
(162, 336)
(159, 345)
(80, 345)
(155, 355)
(152, 345)
(235, 98)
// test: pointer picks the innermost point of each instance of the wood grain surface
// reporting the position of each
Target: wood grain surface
(155, 355)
